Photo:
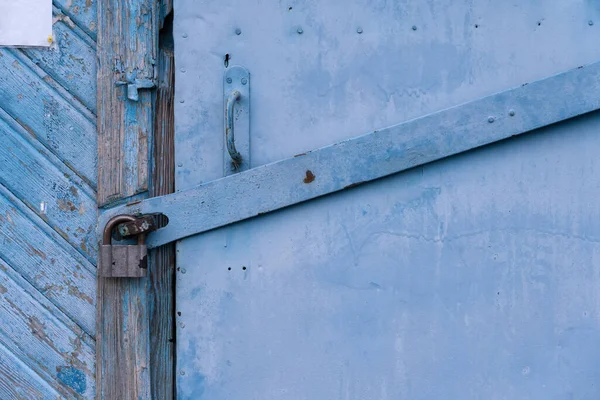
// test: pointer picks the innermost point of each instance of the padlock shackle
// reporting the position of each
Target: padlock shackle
(110, 225)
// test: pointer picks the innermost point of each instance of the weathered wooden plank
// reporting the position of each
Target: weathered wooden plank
(19, 382)
(53, 84)
(31, 329)
(81, 12)
(377, 154)
(166, 8)
(70, 61)
(63, 279)
(122, 342)
(47, 116)
(162, 259)
(126, 49)
(30, 175)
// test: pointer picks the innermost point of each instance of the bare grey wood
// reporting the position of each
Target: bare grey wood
(123, 140)
(122, 347)
(125, 129)
(162, 259)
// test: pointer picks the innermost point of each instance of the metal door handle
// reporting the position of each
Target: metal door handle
(229, 132)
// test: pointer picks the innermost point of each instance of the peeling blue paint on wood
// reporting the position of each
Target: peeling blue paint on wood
(73, 378)
(39, 109)
(55, 272)
(80, 13)
(38, 333)
(48, 211)
(127, 50)
(70, 203)
(71, 61)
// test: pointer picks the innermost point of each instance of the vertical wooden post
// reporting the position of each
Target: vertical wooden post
(127, 50)
(162, 260)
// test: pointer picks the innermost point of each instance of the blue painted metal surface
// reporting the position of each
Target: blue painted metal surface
(374, 155)
(48, 211)
(470, 277)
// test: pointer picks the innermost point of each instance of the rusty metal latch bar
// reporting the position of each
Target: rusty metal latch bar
(138, 226)
(374, 155)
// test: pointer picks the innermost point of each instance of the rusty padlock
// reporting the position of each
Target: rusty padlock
(122, 261)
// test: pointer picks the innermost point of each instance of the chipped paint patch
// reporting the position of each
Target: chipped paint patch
(73, 378)
(66, 205)
(37, 252)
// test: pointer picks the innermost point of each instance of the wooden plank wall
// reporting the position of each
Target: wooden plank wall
(135, 348)
(48, 254)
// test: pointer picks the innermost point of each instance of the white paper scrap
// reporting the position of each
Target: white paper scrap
(25, 22)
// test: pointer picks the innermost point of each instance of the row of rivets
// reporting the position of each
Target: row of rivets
(491, 118)
(359, 30)
(300, 31)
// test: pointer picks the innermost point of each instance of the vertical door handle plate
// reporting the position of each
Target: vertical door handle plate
(236, 102)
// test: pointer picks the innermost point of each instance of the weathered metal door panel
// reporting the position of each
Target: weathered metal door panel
(473, 277)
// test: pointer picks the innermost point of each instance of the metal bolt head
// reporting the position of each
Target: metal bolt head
(491, 119)
(590, 22)
(184, 35)
(182, 69)
(238, 31)
(359, 30)
(511, 113)
(300, 31)
(414, 27)
(229, 80)
(183, 271)
(244, 81)
(182, 372)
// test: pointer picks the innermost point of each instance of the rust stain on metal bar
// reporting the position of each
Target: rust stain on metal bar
(309, 176)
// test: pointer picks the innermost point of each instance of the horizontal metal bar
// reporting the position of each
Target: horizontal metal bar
(372, 156)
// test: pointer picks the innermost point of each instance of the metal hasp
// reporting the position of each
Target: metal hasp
(347, 164)
(236, 99)
(135, 85)
(122, 261)
(139, 226)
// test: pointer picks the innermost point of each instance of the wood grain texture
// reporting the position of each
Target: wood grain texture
(127, 43)
(82, 13)
(37, 332)
(162, 259)
(17, 382)
(63, 277)
(70, 60)
(35, 176)
(48, 254)
(126, 49)
(47, 115)
(122, 345)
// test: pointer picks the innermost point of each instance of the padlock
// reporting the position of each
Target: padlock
(122, 261)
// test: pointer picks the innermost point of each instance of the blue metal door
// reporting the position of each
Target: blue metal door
(471, 277)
